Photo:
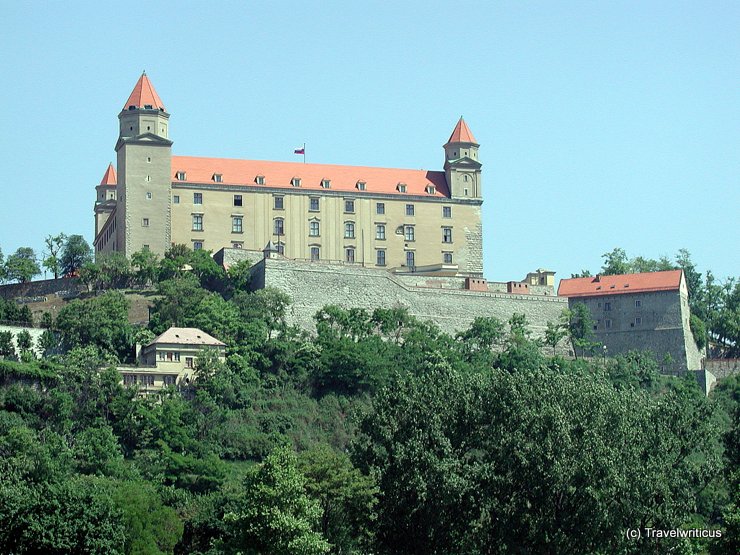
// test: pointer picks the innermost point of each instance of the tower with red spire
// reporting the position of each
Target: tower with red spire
(462, 167)
(143, 191)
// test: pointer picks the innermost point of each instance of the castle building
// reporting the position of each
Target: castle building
(395, 219)
(647, 311)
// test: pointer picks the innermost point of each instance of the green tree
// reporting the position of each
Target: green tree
(615, 262)
(54, 245)
(25, 343)
(75, 254)
(274, 514)
(22, 265)
(146, 267)
(554, 334)
(96, 451)
(579, 326)
(3, 271)
(7, 348)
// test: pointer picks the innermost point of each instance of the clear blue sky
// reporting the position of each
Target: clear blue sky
(601, 124)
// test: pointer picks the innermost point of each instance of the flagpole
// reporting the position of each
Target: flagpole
(304, 153)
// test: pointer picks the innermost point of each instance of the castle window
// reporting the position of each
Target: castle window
(314, 229)
(638, 321)
(349, 254)
(380, 208)
(181, 176)
(279, 227)
(349, 206)
(607, 324)
(360, 185)
(607, 306)
(380, 257)
(145, 222)
(148, 178)
(401, 187)
(148, 195)
(411, 259)
(408, 232)
(431, 189)
(638, 303)
(281, 248)
(349, 230)
(315, 253)
(380, 232)
(217, 178)
(296, 182)
(197, 245)
(409, 209)
(465, 192)
(325, 183)
(447, 211)
(279, 203)
(313, 204)
(447, 257)
(237, 200)
(259, 180)
(197, 198)
(466, 178)
(447, 235)
(149, 159)
(236, 224)
(176, 199)
(148, 107)
(197, 222)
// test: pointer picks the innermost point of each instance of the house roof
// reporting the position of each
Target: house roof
(280, 174)
(186, 336)
(624, 283)
(462, 133)
(110, 176)
(144, 95)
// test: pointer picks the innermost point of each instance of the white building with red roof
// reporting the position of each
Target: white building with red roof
(385, 218)
(647, 311)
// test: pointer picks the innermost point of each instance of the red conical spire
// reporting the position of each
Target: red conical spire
(144, 95)
(462, 133)
(110, 176)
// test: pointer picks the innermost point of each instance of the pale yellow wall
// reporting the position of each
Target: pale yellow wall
(259, 213)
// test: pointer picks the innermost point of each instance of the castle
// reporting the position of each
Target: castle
(378, 217)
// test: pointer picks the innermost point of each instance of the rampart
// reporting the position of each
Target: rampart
(313, 285)
(34, 291)
(722, 367)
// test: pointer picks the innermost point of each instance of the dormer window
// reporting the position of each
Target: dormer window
(259, 180)
(431, 190)
(325, 183)
(360, 185)
(181, 176)
(218, 178)
(296, 182)
(401, 187)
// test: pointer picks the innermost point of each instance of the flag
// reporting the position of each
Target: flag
(299, 151)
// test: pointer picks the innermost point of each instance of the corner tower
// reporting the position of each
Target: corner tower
(462, 168)
(143, 212)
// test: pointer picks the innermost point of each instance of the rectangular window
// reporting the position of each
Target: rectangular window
(380, 208)
(236, 224)
(447, 257)
(170, 356)
(380, 232)
(197, 222)
(217, 178)
(349, 230)
(188, 362)
(296, 182)
(177, 357)
(181, 176)
(349, 206)
(315, 253)
(408, 232)
(325, 183)
(607, 324)
(349, 254)
(380, 258)
(638, 303)
(197, 245)
(279, 227)
(447, 211)
(197, 198)
(149, 196)
(638, 321)
(129, 379)
(410, 259)
(279, 204)
(409, 209)
(607, 306)
(147, 380)
(313, 204)
(259, 180)
(169, 380)
(237, 200)
(447, 235)
(313, 229)
(145, 222)
(176, 199)
(281, 248)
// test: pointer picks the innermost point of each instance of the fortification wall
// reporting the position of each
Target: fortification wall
(33, 291)
(722, 367)
(313, 285)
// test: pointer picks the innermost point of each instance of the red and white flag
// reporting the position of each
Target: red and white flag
(300, 151)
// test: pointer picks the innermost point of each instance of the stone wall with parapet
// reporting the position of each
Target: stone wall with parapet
(722, 367)
(313, 285)
(34, 290)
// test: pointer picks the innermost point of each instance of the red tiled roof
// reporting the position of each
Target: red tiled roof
(144, 95)
(625, 283)
(110, 176)
(280, 174)
(462, 133)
